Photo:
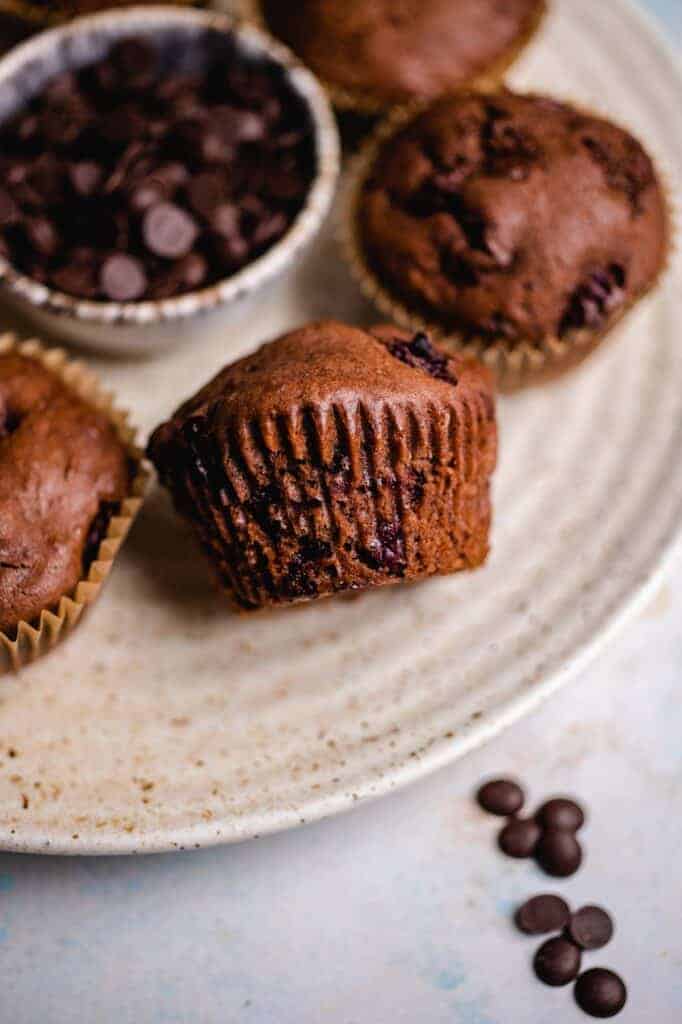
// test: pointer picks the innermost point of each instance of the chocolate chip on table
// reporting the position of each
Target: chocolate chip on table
(590, 927)
(559, 854)
(561, 814)
(542, 914)
(123, 278)
(190, 175)
(600, 993)
(519, 838)
(557, 962)
(501, 797)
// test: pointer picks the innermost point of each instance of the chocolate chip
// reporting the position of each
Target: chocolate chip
(225, 221)
(169, 231)
(9, 211)
(269, 229)
(135, 62)
(123, 278)
(190, 175)
(559, 854)
(561, 814)
(501, 796)
(41, 236)
(557, 962)
(600, 993)
(77, 279)
(591, 928)
(542, 914)
(238, 126)
(199, 142)
(85, 177)
(205, 193)
(519, 838)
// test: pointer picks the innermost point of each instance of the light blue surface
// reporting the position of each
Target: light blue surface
(669, 13)
(365, 919)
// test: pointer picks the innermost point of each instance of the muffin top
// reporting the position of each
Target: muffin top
(513, 217)
(322, 365)
(63, 472)
(388, 51)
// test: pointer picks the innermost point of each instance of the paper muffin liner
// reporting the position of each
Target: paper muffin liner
(367, 105)
(31, 640)
(42, 14)
(515, 364)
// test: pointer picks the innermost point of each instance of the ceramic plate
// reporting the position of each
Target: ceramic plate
(168, 722)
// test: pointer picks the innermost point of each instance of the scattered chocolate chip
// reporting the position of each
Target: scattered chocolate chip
(501, 796)
(561, 815)
(519, 838)
(542, 914)
(557, 962)
(591, 928)
(123, 278)
(559, 854)
(600, 993)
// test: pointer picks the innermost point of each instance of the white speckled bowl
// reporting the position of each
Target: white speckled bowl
(142, 327)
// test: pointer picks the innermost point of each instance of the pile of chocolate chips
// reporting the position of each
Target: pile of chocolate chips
(599, 991)
(131, 181)
(549, 836)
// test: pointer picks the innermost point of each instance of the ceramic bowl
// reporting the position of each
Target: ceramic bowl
(142, 327)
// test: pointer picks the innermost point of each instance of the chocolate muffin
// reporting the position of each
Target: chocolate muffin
(42, 12)
(333, 460)
(514, 222)
(63, 474)
(381, 53)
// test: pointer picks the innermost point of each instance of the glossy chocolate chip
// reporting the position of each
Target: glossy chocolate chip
(519, 838)
(557, 962)
(600, 993)
(123, 278)
(559, 854)
(591, 927)
(85, 177)
(169, 231)
(561, 814)
(542, 914)
(501, 796)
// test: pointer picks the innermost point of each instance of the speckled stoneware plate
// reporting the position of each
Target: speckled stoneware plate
(167, 722)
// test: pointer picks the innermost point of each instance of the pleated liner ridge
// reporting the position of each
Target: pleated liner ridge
(350, 495)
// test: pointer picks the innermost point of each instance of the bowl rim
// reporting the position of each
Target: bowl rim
(140, 20)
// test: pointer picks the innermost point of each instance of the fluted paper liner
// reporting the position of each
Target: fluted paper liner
(361, 102)
(516, 364)
(35, 639)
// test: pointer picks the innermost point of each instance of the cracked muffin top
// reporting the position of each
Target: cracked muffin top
(513, 218)
(63, 473)
(390, 51)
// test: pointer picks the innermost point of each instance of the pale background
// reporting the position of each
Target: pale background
(401, 910)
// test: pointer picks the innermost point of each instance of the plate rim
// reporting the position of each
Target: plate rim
(443, 752)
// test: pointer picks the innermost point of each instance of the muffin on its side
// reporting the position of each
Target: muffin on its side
(514, 224)
(375, 55)
(64, 473)
(334, 459)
